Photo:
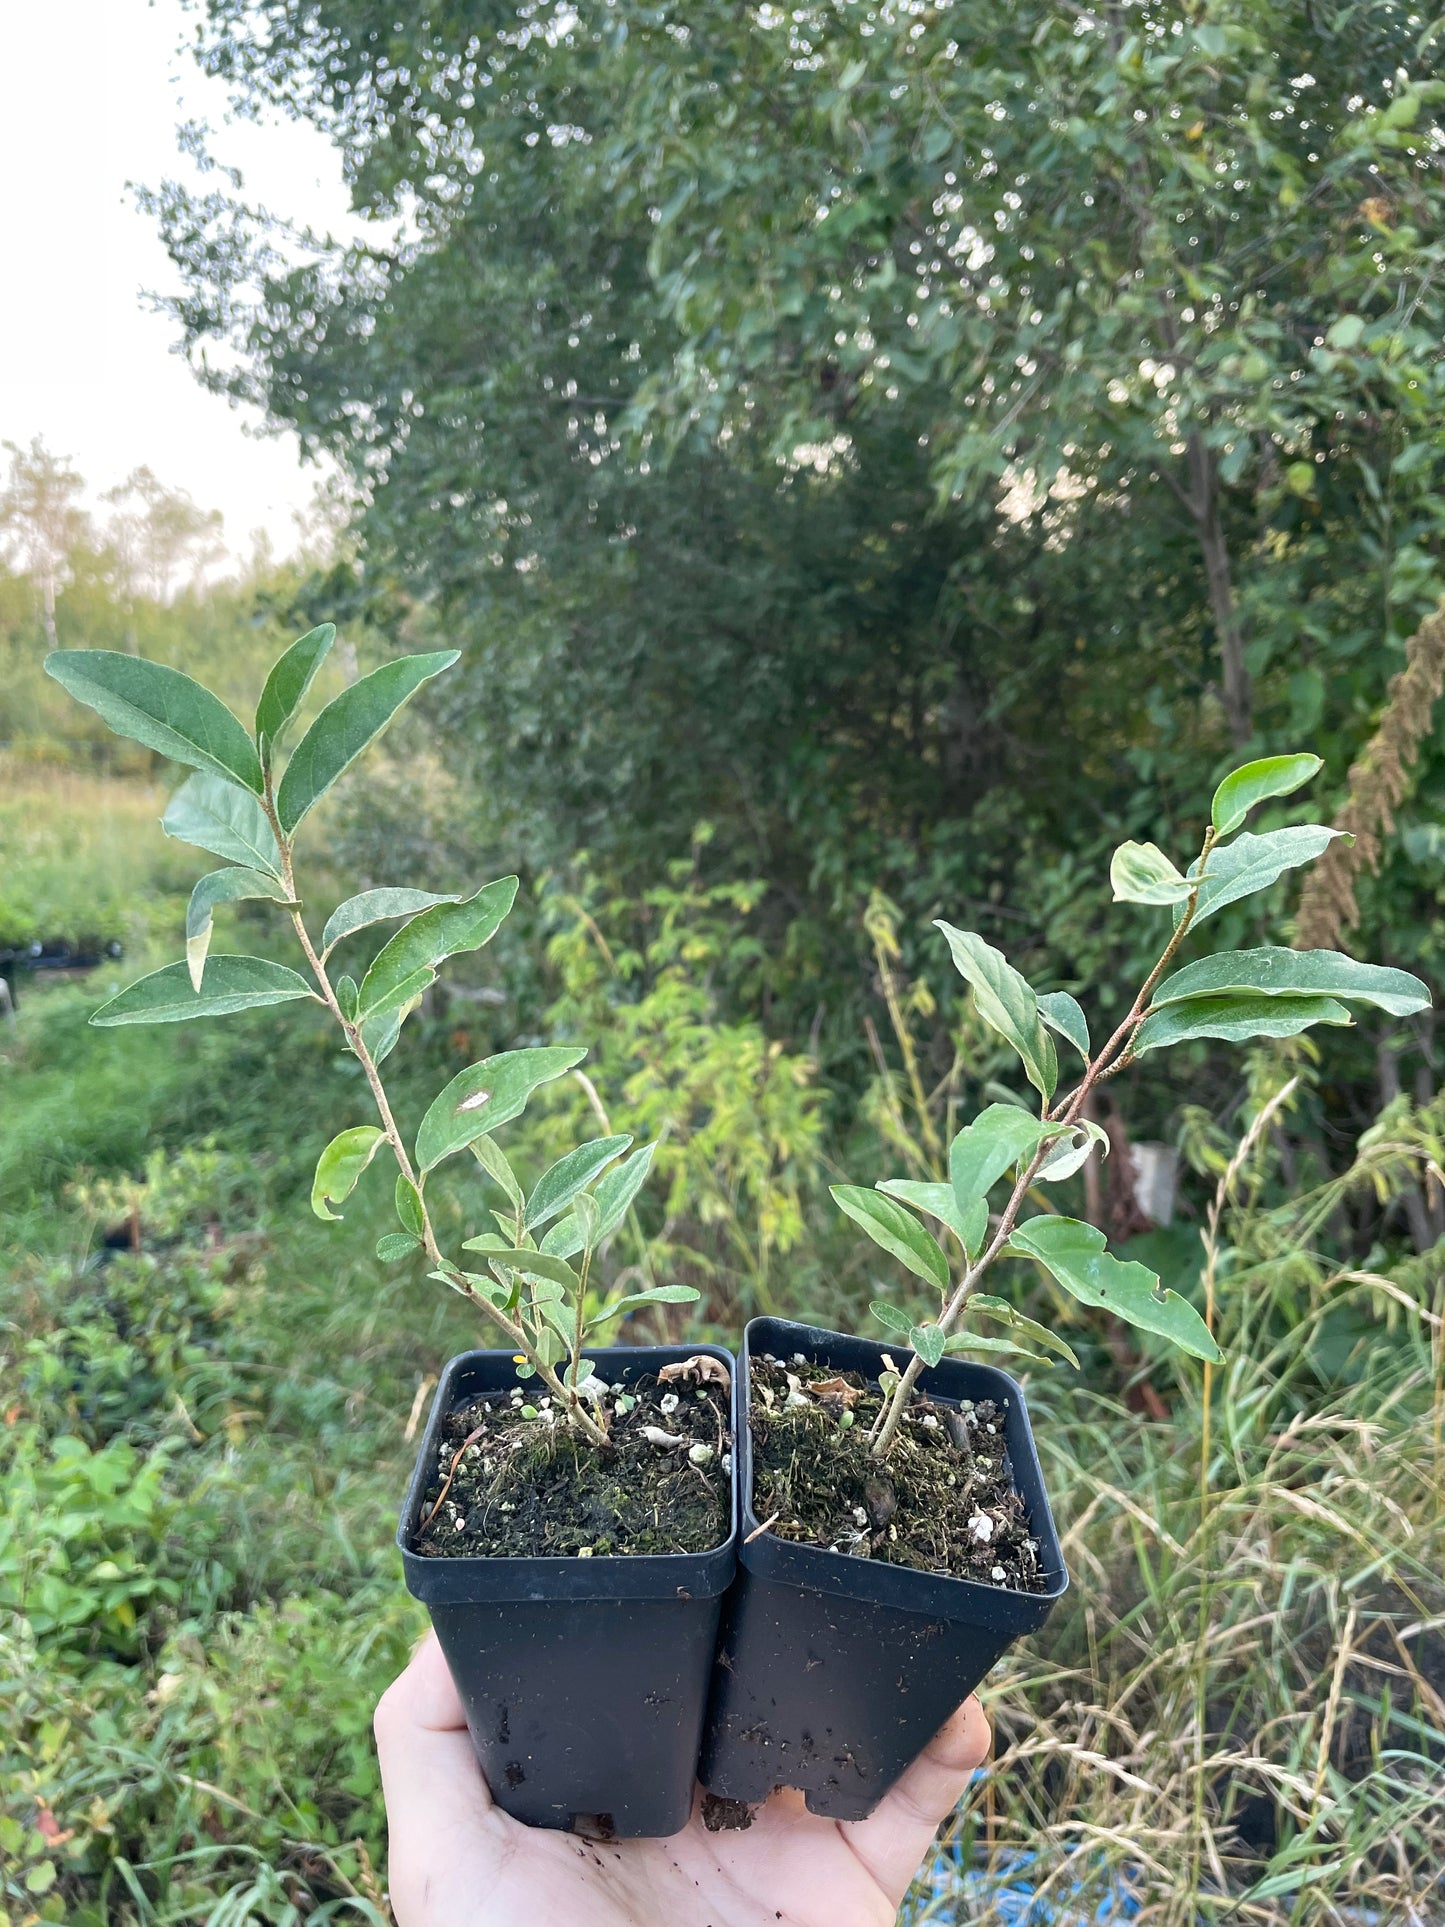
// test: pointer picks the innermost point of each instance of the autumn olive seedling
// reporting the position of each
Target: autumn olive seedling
(1235, 996)
(246, 803)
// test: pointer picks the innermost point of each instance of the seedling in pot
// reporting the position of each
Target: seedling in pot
(247, 802)
(1234, 996)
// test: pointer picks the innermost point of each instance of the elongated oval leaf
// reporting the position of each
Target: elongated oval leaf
(346, 726)
(1003, 1313)
(1064, 1014)
(972, 1341)
(1004, 1000)
(1235, 1019)
(892, 1317)
(158, 706)
(408, 1205)
(446, 930)
(559, 1185)
(485, 1095)
(654, 1295)
(394, 1245)
(228, 984)
(1243, 788)
(537, 1264)
(376, 906)
(288, 682)
(614, 1195)
(217, 815)
(495, 1162)
(341, 1164)
(402, 995)
(997, 1139)
(1252, 863)
(896, 1230)
(969, 1226)
(221, 886)
(1141, 873)
(1074, 1253)
(1273, 972)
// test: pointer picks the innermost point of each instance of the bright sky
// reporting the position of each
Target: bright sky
(91, 93)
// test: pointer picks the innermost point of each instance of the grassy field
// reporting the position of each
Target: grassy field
(210, 1405)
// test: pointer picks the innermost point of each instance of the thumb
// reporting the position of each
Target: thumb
(433, 1786)
(896, 1836)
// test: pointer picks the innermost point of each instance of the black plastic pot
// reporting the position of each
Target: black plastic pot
(834, 1672)
(584, 1680)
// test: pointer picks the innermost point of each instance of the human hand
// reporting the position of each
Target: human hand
(458, 1861)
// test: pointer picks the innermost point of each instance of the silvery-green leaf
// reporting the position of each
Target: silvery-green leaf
(557, 1186)
(1235, 1019)
(161, 708)
(969, 1226)
(1273, 972)
(1064, 1014)
(1074, 1254)
(892, 1317)
(1005, 1002)
(216, 815)
(1141, 873)
(288, 682)
(928, 1341)
(1251, 863)
(896, 1230)
(494, 1161)
(376, 906)
(445, 930)
(1071, 1153)
(227, 984)
(486, 1095)
(997, 1140)
(654, 1295)
(341, 1165)
(221, 886)
(345, 727)
(1003, 1313)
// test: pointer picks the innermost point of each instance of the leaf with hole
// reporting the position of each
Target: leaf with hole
(159, 707)
(446, 930)
(1064, 1014)
(1003, 1313)
(213, 814)
(1243, 788)
(896, 1230)
(969, 1226)
(1273, 972)
(1004, 1000)
(1251, 863)
(561, 1182)
(376, 906)
(1235, 1019)
(288, 682)
(340, 1166)
(1141, 873)
(1075, 1256)
(228, 984)
(346, 726)
(486, 1095)
(221, 886)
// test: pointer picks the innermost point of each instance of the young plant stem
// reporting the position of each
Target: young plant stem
(516, 1337)
(1115, 1055)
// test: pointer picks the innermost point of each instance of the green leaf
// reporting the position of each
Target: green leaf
(1141, 873)
(1243, 788)
(968, 1341)
(394, 1245)
(341, 1164)
(1004, 1000)
(379, 1034)
(614, 1198)
(494, 1161)
(1235, 1019)
(998, 1138)
(928, 1341)
(409, 1206)
(216, 815)
(288, 682)
(654, 1295)
(346, 726)
(589, 1219)
(1072, 1151)
(535, 1264)
(221, 886)
(1252, 863)
(891, 1317)
(970, 1227)
(443, 931)
(375, 906)
(227, 984)
(486, 1095)
(896, 1230)
(163, 709)
(558, 1185)
(1075, 1255)
(345, 989)
(1065, 1014)
(403, 995)
(1003, 1313)
(1273, 972)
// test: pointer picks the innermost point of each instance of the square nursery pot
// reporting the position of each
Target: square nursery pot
(584, 1680)
(835, 1671)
